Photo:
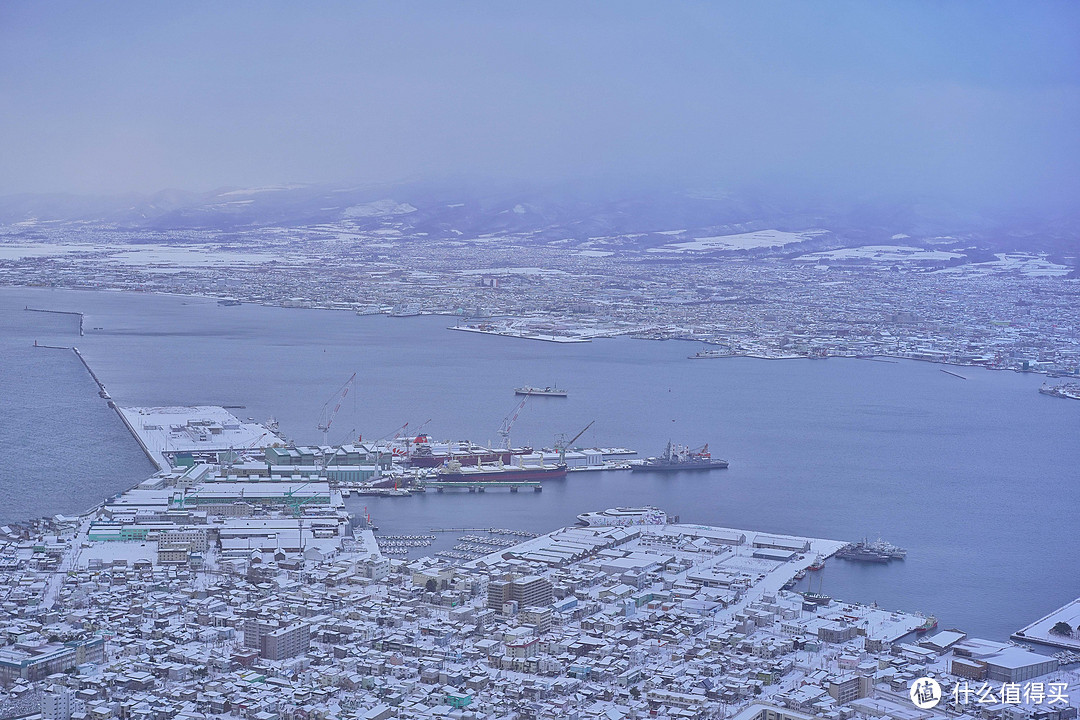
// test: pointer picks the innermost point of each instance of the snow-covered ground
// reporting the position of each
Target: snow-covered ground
(18, 252)
(741, 241)
(198, 428)
(881, 253)
(187, 256)
(512, 271)
(1027, 264)
(379, 208)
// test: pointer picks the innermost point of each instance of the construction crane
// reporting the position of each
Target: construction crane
(508, 421)
(328, 413)
(561, 445)
(295, 506)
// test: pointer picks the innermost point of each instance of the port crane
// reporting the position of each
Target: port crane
(508, 422)
(562, 444)
(328, 413)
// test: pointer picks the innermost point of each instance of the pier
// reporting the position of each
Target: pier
(1040, 631)
(481, 486)
(59, 312)
(52, 347)
(102, 392)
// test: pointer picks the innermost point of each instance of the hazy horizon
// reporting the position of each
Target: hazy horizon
(972, 103)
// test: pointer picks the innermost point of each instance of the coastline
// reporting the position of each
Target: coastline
(557, 339)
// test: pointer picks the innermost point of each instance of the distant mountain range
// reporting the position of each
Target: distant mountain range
(637, 219)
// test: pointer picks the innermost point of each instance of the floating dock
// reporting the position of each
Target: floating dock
(481, 486)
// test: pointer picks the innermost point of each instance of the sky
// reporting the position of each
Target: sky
(972, 101)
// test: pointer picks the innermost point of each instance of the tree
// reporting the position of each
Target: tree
(1061, 628)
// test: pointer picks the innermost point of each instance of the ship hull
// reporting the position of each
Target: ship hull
(679, 466)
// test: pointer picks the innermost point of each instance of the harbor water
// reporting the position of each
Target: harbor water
(977, 476)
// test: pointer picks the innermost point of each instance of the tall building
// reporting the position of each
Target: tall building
(530, 591)
(286, 642)
(498, 594)
(57, 703)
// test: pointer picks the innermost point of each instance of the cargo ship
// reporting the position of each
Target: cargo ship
(706, 354)
(454, 471)
(1070, 391)
(422, 452)
(677, 458)
(544, 391)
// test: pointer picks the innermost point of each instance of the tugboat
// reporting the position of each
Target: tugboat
(680, 457)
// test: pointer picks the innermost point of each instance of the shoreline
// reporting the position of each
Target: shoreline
(561, 340)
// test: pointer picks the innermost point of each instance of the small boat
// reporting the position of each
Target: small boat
(818, 564)
(545, 391)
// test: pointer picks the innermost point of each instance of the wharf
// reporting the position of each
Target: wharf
(203, 430)
(523, 334)
(59, 312)
(1039, 631)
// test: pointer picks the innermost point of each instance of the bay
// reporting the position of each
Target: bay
(978, 478)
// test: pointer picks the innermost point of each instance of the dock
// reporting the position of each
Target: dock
(59, 312)
(1039, 631)
(482, 486)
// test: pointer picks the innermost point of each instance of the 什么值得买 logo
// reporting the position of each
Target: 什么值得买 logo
(925, 693)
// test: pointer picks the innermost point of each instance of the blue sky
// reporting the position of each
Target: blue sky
(972, 101)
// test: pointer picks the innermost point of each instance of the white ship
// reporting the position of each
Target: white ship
(548, 391)
(620, 516)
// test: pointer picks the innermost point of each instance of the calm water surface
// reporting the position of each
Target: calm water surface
(978, 478)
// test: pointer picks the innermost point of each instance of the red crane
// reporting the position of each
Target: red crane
(328, 414)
